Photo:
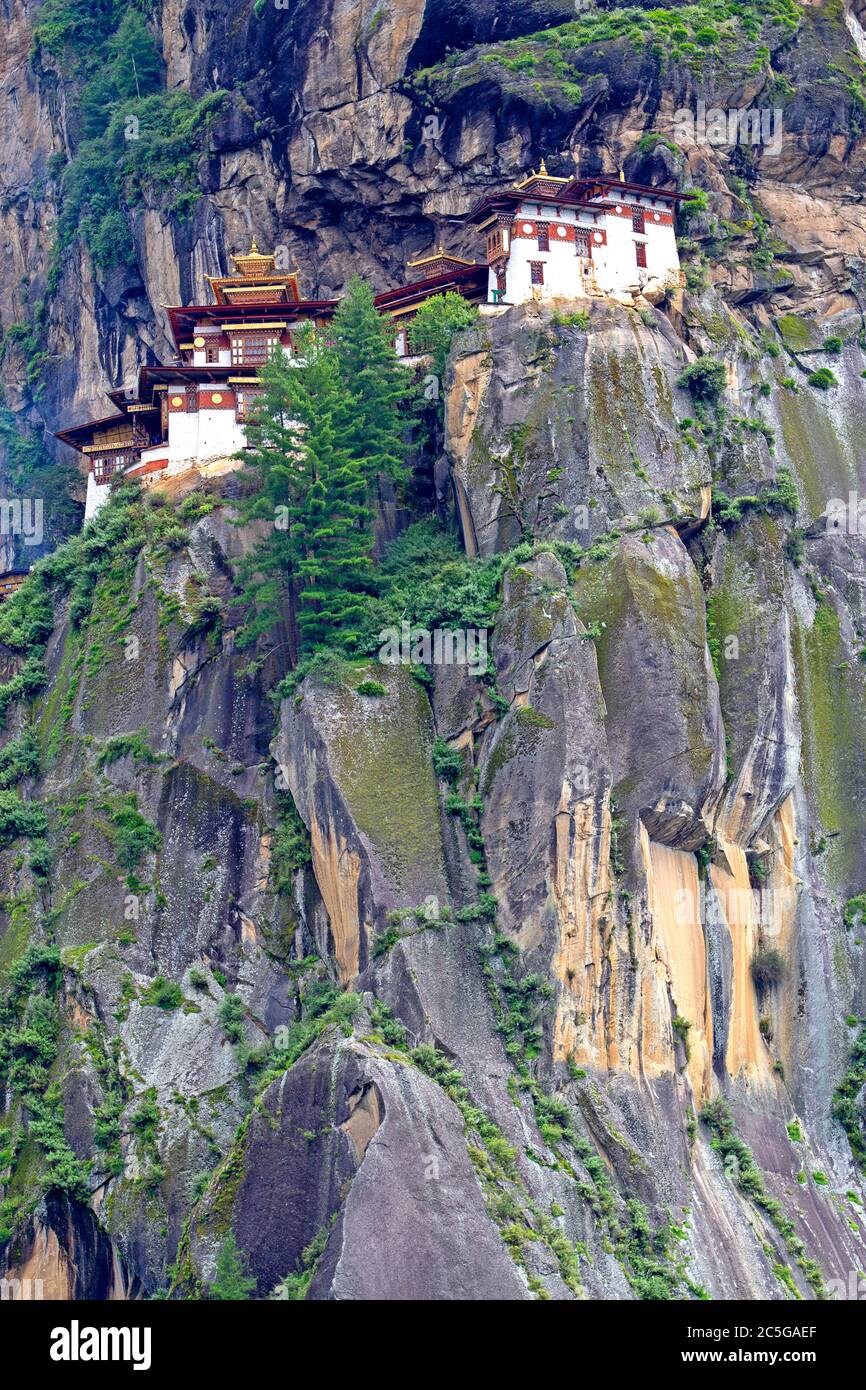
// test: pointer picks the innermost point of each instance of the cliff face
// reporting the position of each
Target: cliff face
(408, 1027)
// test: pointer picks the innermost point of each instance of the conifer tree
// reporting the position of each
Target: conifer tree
(314, 489)
(233, 1281)
(374, 381)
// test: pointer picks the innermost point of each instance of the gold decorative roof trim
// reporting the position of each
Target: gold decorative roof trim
(438, 256)
(250, 327)
(252, 289)
(542, 174)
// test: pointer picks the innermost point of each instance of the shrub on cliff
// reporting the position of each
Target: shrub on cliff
(435, 324)
(768, 966)
(705, 379)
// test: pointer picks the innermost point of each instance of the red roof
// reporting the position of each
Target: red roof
(577, 193)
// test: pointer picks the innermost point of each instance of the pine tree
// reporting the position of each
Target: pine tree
(374, 381)
(233, 1281)
(314, 488)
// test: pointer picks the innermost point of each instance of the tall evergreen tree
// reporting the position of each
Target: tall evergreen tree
(374, 381)
(314, 489)
(233, 1280)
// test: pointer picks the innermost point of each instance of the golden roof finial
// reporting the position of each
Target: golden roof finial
(254, 250)
(542, 168)
(621, 176)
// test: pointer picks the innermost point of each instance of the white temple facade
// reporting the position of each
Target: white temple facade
(556, 238)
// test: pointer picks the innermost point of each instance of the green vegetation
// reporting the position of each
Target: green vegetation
(737, 1156)
(29, 1048)
(31, 471)
(133, 139)
(682, 1028)
(99, 561)
(323, 1006)
(578, 319)
(231, 1016)
(290, 846)
(705, 379)
(19, 759)
(823, 378)
(134, 746)
(692, 36)
(233, 1281)
(405, 922)
(162, 994)
(317, 445)
(781, 497)
(447, 762)
(854, 912)
(694, 205)
(19, 817)
(848, 1106)
(130, 834)
(435, 324)
(295, 1287)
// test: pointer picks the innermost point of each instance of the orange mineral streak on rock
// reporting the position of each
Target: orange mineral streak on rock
(673, 896)
(581, 887)
(47, 1262)
(783, 883)
(48, 1271)
(782, 892)
(471, 377)
(364, 1119)
(337, 871)
(746, 1055)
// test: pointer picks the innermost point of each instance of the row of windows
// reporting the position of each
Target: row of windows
(253, 348)
(637, 225)
(536, 268)
(104, 466)
(582, 244)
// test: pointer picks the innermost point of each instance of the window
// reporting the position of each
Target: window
(581, 243)
(247, 401)
(494, 243)
(536, 272)
(253, 348)
(640, 252)
(106, 465)
(212, 352)
(543, 237)
(637, 220)
(500, 281)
